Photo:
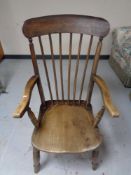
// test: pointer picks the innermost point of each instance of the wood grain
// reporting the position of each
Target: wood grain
(36, 160)
(45, 66)
(36, 70)
(99, 116)
(53, 66)
(106, 96)
(67, 125)
(61, 66)
(93, 71)
(77, 66)
(33, 117)
(66, 24)
(22, 108)
(85, 68)
(67, 129)
(69, 66)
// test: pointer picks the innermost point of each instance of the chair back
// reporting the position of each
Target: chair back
(62, 74)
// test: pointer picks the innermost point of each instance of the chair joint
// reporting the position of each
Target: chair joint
(33, 118)
(99, 116)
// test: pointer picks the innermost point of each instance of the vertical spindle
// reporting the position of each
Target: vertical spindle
(69, 65)
(45, 66)
(53, 65)
(77, 66)
(85, 68)
(93, 71)
(61, 67)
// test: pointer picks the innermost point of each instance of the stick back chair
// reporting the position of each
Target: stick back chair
(66, 123)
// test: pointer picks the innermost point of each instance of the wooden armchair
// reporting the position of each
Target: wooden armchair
(66, 123)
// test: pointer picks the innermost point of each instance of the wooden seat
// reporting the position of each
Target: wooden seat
(71, 130)
(65, 123)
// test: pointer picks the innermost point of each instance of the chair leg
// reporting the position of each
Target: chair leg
(95, 163)
(36, 159)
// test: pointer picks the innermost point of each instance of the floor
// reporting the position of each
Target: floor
(15, 134)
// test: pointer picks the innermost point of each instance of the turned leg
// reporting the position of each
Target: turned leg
(36, 159)
(95, 163)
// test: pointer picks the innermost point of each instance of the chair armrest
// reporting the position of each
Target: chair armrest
(106, 96)
(23, 106)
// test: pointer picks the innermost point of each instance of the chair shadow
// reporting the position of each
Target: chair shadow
(72, 160)
(44, 160)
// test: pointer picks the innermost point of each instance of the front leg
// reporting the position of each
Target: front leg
(95, 163)
(36, 160)
(32, 117)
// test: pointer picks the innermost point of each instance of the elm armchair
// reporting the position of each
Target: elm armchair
(66, 123)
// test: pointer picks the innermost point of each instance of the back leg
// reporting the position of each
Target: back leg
(95, 163)
(36, 160)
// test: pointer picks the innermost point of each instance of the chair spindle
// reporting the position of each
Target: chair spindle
(93, 71)
(77, 66)
(69, 65)
(85, 68)
(36, 70)
(53, 64)
(61, 67)
(45, 66)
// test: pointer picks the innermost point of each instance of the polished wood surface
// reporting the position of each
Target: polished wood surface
(99, 117)
(93, 72)
(54, 66)
(36, 159)
(69, 66)
(33, 118)
(77, 66)
(61, 66)
(73, 22)
(45, 66)
(106, 96)
(66, 128)
(85, 68)
(66, 24)
(23, 106)
(66, 123)
(36, 71)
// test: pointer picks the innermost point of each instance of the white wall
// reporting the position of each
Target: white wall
(14, 12)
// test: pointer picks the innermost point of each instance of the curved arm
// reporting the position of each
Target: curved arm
(106, 96)
(23, 106)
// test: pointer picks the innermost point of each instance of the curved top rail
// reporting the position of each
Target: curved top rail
(66, 24)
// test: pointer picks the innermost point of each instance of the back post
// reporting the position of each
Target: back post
(93, 72)
(36, 70)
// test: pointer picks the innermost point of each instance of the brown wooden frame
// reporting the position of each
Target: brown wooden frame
(80, 24)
